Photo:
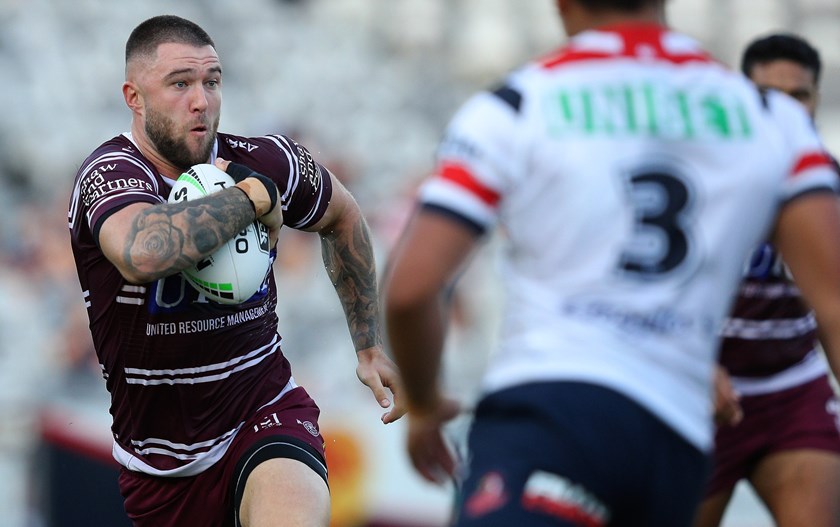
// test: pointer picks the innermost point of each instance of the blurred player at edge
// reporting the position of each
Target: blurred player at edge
(787, 442)
(632, 174)
(208, 422)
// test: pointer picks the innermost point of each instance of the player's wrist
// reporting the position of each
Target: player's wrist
(425, 407)
(250, 201)
(260, 189)
(258, 194)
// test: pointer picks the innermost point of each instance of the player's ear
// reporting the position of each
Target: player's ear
(132, 96)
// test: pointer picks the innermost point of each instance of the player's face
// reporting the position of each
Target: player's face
(789, 77)
(183, 103)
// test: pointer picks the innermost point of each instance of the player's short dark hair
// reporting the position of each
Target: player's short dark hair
(620, 5)
(151, 33)
(782, 46)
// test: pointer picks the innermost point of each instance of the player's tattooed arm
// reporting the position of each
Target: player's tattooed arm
(348, 257)
(169, 237)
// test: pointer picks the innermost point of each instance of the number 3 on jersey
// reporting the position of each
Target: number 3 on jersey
(660, 243)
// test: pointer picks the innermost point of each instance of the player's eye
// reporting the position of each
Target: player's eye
(800, 95)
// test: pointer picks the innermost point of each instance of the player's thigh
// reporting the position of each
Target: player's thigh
(711, 509)
(284, 492)
(800, 487)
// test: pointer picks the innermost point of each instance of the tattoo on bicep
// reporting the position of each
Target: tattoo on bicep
(350, 263)
(173, 236)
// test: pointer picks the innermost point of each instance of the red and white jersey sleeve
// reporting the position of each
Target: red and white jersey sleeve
(811, 165)
(477, 161)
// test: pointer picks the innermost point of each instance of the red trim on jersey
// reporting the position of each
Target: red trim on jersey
(640, 41)
(462, 177)
(812, 160)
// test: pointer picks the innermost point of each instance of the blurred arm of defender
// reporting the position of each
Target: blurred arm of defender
(430, 255)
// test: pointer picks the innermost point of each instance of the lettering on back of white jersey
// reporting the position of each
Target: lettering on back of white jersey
(646, 109)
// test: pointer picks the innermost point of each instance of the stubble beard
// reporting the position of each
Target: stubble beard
(161, 132)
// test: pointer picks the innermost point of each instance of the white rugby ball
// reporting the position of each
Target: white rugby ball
(237, 269)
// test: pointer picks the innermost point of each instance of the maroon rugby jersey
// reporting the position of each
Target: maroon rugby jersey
(183, 372)
(770, 328)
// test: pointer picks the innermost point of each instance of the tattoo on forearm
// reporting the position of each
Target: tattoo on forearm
(350, 263)
(173, 236)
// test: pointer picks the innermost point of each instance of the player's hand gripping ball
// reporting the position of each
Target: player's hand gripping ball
(235, 272)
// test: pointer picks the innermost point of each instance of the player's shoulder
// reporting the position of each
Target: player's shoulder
(118, 155)
(275, 155)
(787, 113)
(503, 101)
(254, 145)
(257, 151)
(119, 145)
(781, 104)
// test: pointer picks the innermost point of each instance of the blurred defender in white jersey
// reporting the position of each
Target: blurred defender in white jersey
(632, 175)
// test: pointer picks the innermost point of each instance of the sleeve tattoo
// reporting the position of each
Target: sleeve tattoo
(348, 258)
(173, 236)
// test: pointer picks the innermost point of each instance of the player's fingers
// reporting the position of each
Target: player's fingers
(444, 458)
(221, 163)
(449, 409)
(397, 410)
(374, 382)
(728, 411)
(427, 471)
(428, 464)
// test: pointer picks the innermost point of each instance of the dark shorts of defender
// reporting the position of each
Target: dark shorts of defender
(811, 420)
(211, 499)
(575, 454)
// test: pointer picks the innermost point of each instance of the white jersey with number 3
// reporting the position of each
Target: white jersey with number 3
(631, 175)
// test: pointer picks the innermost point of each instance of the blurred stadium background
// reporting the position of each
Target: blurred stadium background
(367, 85)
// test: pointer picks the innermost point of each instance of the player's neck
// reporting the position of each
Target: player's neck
(583, 20)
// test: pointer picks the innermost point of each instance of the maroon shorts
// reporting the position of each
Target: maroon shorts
(286, 429)
(802, 417)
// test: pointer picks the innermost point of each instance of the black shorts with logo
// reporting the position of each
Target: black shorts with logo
(576, 454)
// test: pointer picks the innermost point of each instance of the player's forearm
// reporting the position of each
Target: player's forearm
(348, 257)
(167, 238)
(415, 337)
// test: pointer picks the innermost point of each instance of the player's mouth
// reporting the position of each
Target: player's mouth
(199, 130)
